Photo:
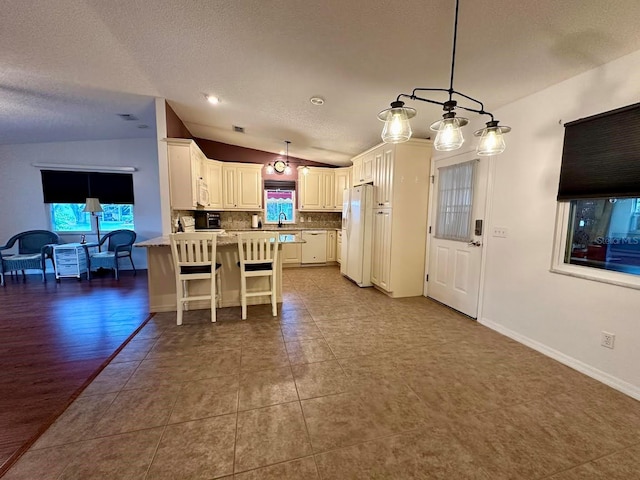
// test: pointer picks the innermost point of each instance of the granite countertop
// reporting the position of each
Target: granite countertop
(223, 240)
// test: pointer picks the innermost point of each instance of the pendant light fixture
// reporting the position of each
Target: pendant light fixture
(287, 169)
(449, 136)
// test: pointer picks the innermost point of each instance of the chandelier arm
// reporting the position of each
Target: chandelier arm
(472, 99)
(474, 110)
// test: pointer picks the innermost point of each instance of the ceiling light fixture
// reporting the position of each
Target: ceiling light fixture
(213, 100)
(287, 169)
(305, 170)
(317, 100)
(269, 169)
(397, 128)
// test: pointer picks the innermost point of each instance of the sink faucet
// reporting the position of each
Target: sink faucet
(282, 214)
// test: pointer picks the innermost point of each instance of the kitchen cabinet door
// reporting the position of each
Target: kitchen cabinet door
(356, 172)
(342, 182)
(383, 177)
(331, 246)
(381, 257)
(249, 187)
(185, 167)
(328, 189)
(229, 181)
(311, 190)
(291, 252)
(339, 246)
(368, 167)
(241, 186)
(213, 178)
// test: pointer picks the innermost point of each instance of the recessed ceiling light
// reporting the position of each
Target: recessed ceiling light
(212, 99)
(317, 100)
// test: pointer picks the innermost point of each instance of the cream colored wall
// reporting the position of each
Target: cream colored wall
(559, 315)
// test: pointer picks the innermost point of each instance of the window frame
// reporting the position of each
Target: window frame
(291, 221)
(92, 222)
(558, 265)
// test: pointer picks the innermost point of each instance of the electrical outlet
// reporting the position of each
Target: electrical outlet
(502, 232)
(301, 219)
(608, 339)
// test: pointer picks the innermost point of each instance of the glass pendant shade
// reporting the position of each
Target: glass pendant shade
(491, 139)
(287, 169)
(449, 136)
(397, 128)
(305, 170)
(269, 169)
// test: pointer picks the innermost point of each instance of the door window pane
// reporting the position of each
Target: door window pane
(455, 201)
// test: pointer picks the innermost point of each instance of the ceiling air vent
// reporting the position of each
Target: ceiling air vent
(128, 117)
(238, 129)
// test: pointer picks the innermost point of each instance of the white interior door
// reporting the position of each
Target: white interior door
(455, 247)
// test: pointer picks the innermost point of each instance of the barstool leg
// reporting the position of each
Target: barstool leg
(213, 297)
(179, 303)
(243, 296)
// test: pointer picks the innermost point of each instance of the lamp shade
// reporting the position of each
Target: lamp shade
(491, 139)
(92, 205)
(449, 136)
(397, 128)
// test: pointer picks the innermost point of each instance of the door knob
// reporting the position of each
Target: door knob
(474, 244)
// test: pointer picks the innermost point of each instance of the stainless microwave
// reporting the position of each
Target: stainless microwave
(207, 220)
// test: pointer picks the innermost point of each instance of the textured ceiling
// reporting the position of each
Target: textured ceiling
(68, 67)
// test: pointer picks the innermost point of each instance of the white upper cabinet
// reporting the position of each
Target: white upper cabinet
(383, 175)
(213, 178)
(185, 168)
(317, 191)
(342, 182)
(363, 169)
(241, 186)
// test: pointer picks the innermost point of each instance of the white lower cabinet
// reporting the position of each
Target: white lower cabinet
(331, 246)
(381, 261)
(339, 246)
(291, 252)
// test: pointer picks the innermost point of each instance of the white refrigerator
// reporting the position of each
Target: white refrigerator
(357, 228)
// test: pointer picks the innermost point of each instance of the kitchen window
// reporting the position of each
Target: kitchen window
(598, 226)
(279, 201)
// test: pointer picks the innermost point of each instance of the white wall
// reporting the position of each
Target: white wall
(21, 200)
(560, 315)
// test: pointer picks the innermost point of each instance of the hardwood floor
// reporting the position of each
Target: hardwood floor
(54, 338)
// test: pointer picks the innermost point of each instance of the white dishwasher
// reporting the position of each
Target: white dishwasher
(314, 250)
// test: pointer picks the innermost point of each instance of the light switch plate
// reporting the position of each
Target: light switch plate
(502, 232)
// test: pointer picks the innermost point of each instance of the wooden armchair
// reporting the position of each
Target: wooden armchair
(34, 247)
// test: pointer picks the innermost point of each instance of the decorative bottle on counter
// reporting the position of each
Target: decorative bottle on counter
(259, 223)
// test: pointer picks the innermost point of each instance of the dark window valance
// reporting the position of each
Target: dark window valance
(75, 187)
(279, 185)
(601, 156)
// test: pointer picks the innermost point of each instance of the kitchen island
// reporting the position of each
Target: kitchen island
(162, 282)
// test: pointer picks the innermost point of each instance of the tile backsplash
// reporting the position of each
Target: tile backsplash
(242, 220)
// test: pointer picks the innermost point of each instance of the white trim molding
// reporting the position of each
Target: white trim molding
(84, 168)
(610, 380)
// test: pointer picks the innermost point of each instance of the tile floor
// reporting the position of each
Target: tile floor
(344, 384)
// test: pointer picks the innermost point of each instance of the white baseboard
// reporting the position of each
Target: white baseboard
(614, 382)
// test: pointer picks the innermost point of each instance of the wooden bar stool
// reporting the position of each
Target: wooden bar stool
(258, 253)
(194, 258)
